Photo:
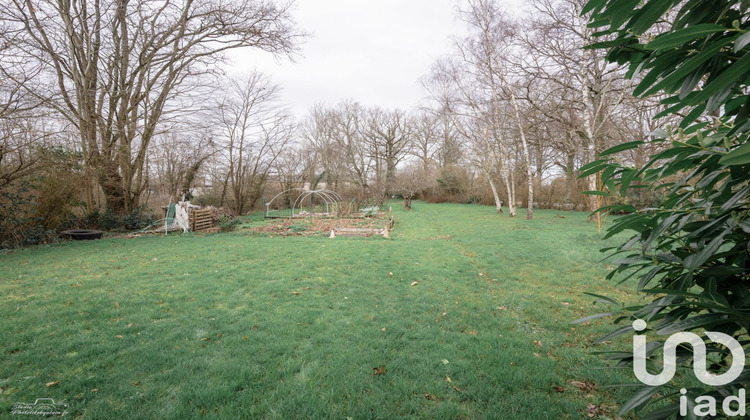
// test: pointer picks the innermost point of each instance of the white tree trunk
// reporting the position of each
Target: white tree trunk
(527, 157)
(495, 195)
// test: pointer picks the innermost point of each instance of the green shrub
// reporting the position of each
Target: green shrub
(690, 254)
(297, 228)
(140, 218)
(228, 223)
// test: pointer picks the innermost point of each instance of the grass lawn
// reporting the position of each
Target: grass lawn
(247, 326)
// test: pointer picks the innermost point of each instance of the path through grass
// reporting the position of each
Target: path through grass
(241, 326)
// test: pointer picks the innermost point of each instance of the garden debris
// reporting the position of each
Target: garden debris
(594, 411)
(584, 386)
(323, 226)
(380, 370)
(51, 384)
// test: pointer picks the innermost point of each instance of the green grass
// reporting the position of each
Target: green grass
(241, 326)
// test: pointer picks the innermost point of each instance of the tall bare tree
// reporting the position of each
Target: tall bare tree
(112, 69)
(389, 136)
(490, 41)
(256, 130)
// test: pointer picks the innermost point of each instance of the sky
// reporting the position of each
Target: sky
(371, 51)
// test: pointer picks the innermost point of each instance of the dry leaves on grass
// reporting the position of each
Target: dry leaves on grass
(595, 411)
(584, 386)
(51, 384)
(380, 370)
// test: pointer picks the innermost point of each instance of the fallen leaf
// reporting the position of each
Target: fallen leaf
(296, 293)
(445, 361)
(537, 343)
(592, 411)
(414, 283)
(49, 384)
(255, 327)
(380, 370)
(448, 378)
(390, 274)
(132, 324)
(307, 288)
(244, 338)
(431, 397)
(136, 383)
(502, 308)
(537, 355)
(117, 305)
(76, 285)
(95, 390)
(600, 411)
(472, 333)
(584, 386)
(118, 336)
(559, 389)
(383, 330)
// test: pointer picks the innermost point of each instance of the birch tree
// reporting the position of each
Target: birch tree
(485, 50)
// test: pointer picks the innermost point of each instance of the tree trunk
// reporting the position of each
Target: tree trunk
(407, 203)
(498, 201)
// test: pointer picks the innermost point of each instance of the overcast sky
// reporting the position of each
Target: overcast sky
(371, 51)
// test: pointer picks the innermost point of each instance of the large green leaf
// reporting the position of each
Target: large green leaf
(648, 15)
(621, 148)
(682, 36)
(738, 156)
(687, 67)
(736, 72)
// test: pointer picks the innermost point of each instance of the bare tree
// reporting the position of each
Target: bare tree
(318, 131)
(426, 135)
(256, 130)
(348, 125)
(389, 137)
(461, 91)
(291, 170)
(578, 80)
(485, 49)
(112, 69)
(177, 159)
(411, 181)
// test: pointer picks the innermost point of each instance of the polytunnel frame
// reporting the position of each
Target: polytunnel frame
(330, 198)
